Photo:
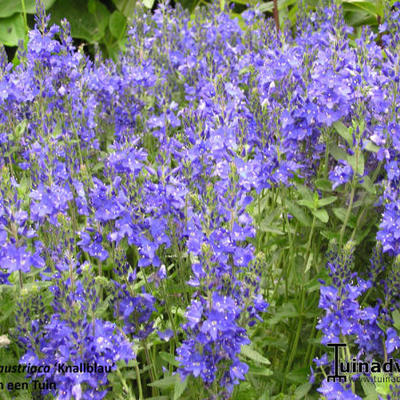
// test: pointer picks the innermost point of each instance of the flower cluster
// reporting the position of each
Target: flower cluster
(78, 349)
(148, 169)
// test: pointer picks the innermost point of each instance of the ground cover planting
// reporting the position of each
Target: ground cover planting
(205, 217)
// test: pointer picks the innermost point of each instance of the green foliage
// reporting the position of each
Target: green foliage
(88, 20)
(12, 30)
(98, 22)
(91, 21)
(11, 7)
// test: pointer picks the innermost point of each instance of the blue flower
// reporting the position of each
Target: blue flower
(392, 342)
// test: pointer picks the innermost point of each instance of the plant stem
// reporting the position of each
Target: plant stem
(139, 382)
(21, 285)
(276, 16)
(349, 208)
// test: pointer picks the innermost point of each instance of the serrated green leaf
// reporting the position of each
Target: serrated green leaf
(338, 153)
(180, 387)
(169, 358)
(369, 390)
(298, 376)
(254, 355)
(343, 131)
(302, 390)
(371, 147)
(165, 383)
(306, 192)
(307, 203)
(326, 201)
(261, 371)
(321, 214)
(382, 387)
(264, 227)
(298, 213)
(323, 184)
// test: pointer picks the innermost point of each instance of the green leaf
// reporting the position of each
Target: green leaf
(309, 263)
(264, 227)
(357, 165)
(321, 214)
(396, 319)
(380, 8)
(373, 148)
(19, 130)
(10, 7)
(12, 30)
(117, 25)
(254, 355)
(340, 213)
(169, 358)
(369, 390)
(357, 17)
(305, 191)
(323, 184)
(126, 7)
(307, 203)
(330, 235)
(302, 390)
(367, 6)
(148, 3)
(298, 375)
(382, 387)
(343, 131)
(287, 310)
(180, 387)
(166, 383)
(262, 371)
(368, 185)
(327, 200)
(298, 213)
(85, 24)
(337, 152)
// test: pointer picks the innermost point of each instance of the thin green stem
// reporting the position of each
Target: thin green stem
(349, 208)
(139, 381)
(361, 215)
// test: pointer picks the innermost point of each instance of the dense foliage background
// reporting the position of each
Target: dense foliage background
(104, 22)
(204, 213)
